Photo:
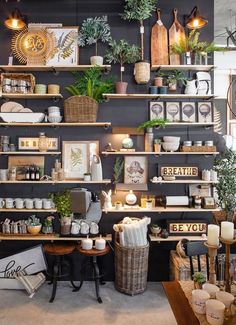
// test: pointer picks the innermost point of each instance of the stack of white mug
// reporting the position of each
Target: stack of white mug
(29, 204)
(54, 115)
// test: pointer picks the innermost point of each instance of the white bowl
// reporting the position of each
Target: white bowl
(171, 139)
(170, 146)
(22, 117)
(54, 119)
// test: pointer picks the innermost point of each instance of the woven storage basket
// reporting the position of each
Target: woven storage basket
(131, 267)
(28, 77)
(142, 72)
(198, 149)
(80, 109)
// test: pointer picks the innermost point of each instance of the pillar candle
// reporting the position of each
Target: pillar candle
(227, 230)
(87, 244)
(100, 243)
(213, 232)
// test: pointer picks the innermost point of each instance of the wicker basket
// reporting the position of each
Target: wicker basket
(142, 72)
(198, 149)
(15, 80)
(131, 267)
(80, 109)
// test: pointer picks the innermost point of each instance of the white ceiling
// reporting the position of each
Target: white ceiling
(225, 16)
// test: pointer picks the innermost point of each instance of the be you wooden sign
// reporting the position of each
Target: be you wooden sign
(187, 227)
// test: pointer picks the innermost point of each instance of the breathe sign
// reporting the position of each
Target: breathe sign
(179, 171)
(187, 228)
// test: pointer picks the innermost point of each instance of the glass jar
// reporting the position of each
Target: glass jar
(43, 142)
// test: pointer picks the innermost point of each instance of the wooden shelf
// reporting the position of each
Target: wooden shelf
(176, 238)
(186, 67)
(62, 124)
(158, 210)
(105, 181)
(156, 96)
(184, 181)
(190, 124)
(31, 153)
(138, 153)
(48, 237)
(30, 96)
(21, 68)
(29, 210)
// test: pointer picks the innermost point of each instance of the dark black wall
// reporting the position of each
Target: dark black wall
(119, 112)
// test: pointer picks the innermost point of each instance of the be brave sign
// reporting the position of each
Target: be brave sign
(187, 227)
(185, 171)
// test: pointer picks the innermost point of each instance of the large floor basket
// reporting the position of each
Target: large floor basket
(80, 109)
(131, 268)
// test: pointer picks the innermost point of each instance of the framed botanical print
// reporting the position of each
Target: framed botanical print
(173, 111)
(77, 157)
(65, 50)
(205, 112)
(188, 112)
(157, 110)
(135, 170)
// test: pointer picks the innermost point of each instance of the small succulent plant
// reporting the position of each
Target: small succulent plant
(33, 221)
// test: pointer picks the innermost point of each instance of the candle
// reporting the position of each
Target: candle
(213, 232)
(87, 244)
(227, 230)
(100, 243)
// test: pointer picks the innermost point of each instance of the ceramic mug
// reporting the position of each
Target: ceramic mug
(75, 228)
(29, 204)
(2, 203)
(84, 228)
(199, 298)
(9, 202)
(38, 203)
(94, 229)
(225, 297)
(212, 289)
(19, 203)
(47, 204)
(215, 311)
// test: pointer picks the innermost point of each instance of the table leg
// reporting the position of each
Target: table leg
(96, 278)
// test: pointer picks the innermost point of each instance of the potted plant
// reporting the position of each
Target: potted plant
(140, 11)
(91, 32)
(33, 225)
(48, 225)
(157, 145)
(152, 123)
(174, 77)
(62, 201)
(155, 229)
(198, 279)
(224, 165)
(122, 52)
(87, 177)
(159, 79)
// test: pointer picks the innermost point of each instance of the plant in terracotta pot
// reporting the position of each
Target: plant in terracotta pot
(122, 52)
(198, 279)
(62, 201)
(140, 10)
(224, 165)
(174, 77)
(93, 31)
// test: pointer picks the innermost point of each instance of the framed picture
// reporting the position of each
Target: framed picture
(202, 190)
(205, 112)
(157, 110)
(173, 111)
(32, 143)
(135, 170)
(77, 157)
(66, 50)
(188, 112)
(22, 162)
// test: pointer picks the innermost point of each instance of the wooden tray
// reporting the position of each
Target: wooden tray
(198, 149)
(28, 235)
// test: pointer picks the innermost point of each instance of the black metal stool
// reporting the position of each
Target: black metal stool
(92, 262)
(60, 251)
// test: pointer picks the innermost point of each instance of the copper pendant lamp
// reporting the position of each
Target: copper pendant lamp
(195, 20)
(15, 21)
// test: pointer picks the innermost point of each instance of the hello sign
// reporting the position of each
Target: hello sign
(179, 171)
(187, 227)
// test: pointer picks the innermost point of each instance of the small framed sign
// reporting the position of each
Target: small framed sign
(31, 143)
(202, 190)
(179, 171)
(187, 227)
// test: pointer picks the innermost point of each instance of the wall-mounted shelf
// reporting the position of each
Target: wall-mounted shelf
(104, 181)
(62, 124)
(186, 67)
(48, 237)
(31, 153)
(176, 238)
(184, 181)
(139, 153)
(22, 68)
(30, 96)
(29, 210)
(156, 96)
(190, 124)
(158, 210)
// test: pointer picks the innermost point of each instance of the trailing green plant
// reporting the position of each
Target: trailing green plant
(118, 169)
(199, 277)
(94, 30)
(122, 52)
(33, 221)
(224, 165)
(139, 10)
(152, 123)
(91, 83)
(62, 201)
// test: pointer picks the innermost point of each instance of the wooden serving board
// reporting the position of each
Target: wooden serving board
(176, 32)
(159, 43)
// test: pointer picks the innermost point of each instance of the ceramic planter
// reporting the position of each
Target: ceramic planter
(121, 87)
(158, 81)
(96, 60)
(142, 72)
(173, 86)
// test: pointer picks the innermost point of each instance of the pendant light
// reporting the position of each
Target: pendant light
(15, 21)
(195, 20)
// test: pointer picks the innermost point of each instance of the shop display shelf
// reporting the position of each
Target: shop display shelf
(157, 96)
(104, 181)
(56, 125)
(184, 181)
(47, 68)
(31, 153)
(138, 153)
(49, 237)
(30, 96)
(29, 210)
(183, 67)
(175, 238)
(158, 210)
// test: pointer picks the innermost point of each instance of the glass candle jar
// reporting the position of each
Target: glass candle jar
(43, 142)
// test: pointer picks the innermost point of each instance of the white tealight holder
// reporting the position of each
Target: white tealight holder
(199, 299)
(225, 297)
(212, 289)
(215, 311)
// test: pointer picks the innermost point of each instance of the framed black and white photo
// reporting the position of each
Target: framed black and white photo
(135, 170)
(205, 112)
(173, 111)
(188, 112)
(157, 110)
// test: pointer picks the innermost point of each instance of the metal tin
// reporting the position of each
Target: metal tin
(187, 143)
(209, 143)
(197, 143)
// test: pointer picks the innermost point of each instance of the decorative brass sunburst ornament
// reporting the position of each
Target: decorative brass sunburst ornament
(31, 46)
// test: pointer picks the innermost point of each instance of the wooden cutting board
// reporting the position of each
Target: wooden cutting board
(176, 32)
(159, 42)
